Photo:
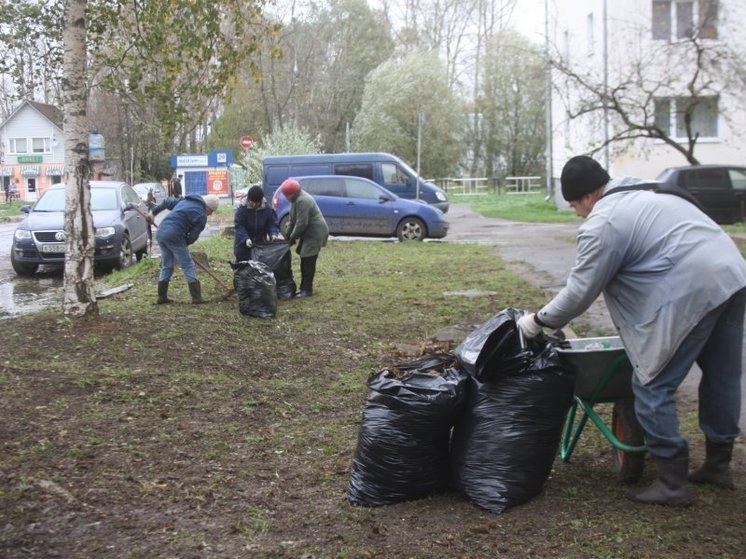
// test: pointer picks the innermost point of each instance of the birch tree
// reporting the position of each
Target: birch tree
(180, 56)
(79, 298)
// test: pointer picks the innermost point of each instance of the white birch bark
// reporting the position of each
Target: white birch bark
(79, 298)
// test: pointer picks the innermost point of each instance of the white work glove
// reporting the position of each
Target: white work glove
(275, 237)
(529, 326)
(249, 244)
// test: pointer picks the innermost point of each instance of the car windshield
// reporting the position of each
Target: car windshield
(54, 200)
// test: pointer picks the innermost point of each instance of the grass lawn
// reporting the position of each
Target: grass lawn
(193, 431)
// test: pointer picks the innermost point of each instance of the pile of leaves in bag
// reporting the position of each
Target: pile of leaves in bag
(485, 421)
(265, 278)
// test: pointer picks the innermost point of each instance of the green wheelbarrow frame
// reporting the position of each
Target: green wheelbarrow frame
(604, 377)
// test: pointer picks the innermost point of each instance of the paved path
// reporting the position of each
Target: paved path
(543, 254)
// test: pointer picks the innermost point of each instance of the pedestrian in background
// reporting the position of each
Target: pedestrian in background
(179, 229)
(673, 282)
(308, 227)
(255, 222)
(176, 190)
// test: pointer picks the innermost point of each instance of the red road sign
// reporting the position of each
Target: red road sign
(246, 142)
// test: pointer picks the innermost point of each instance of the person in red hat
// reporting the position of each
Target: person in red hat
(308, 227)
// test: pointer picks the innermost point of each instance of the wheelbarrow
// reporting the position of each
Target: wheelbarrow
(603, 376)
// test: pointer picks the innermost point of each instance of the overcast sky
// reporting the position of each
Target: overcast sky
(528, 18)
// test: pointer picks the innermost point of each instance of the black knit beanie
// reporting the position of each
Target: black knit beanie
(580, 176)
(255, 194)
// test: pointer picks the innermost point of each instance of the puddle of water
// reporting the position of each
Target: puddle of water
(26, 295)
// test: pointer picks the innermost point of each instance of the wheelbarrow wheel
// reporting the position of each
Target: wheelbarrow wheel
(628, 465)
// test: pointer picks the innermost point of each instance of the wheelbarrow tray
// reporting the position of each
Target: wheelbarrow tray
(596, 359)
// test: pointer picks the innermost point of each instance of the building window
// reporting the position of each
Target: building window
(708, 19)
(677, 19)
(671, 116)
(41, 145)
(17, 145)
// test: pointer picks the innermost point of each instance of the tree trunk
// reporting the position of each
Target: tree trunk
(79, 295)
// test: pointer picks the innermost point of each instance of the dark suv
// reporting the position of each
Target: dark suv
(720, 189)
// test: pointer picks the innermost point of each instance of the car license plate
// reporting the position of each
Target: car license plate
(57, 248)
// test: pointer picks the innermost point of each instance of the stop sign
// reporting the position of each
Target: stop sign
(246, 142)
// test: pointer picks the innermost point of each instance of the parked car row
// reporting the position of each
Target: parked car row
(351, 205)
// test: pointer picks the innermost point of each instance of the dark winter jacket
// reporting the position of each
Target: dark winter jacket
(185, 221)
(253, 223)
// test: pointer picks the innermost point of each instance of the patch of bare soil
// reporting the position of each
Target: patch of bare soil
(237, 457)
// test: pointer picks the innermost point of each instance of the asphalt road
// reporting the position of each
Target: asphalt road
(543, 255)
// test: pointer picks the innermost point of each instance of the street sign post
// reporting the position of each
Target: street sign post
(246, 142)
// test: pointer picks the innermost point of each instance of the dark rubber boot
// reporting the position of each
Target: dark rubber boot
(195, 290)
(672, 486)
(162, 293)
(303, 293)
(716, 469)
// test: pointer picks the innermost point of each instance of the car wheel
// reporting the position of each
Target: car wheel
(411, 229)
(125, 253)
(284, 226)
(21, 268)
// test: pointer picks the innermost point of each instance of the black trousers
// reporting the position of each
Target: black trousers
(307, 272)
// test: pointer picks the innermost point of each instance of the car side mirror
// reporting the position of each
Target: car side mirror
(384, 198)
(26, 209)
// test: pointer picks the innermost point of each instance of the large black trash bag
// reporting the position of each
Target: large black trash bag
(277, 256)
(255, 287)
(403, 445)
(505, 442)
(494, 347)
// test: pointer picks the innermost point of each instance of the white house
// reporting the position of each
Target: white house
(652, 58)
(32, 153)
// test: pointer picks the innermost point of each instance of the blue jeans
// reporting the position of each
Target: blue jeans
(715, 345)
(176, 251)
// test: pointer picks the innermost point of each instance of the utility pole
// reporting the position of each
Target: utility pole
(420, 122)
(549, 167)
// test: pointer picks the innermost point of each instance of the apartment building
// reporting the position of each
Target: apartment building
(624, 67)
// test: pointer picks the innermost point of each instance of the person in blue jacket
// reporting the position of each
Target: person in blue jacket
(255, 222)
(179, 229)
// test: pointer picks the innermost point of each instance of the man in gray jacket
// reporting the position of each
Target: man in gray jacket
(674, 283)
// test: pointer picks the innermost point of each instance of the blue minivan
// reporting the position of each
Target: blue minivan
(384, 169)
(354, 206)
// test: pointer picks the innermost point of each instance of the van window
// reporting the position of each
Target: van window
(364, 170)
(737, 179)
(392, 174)
(276, 174)
(324, 187)
(362, 189)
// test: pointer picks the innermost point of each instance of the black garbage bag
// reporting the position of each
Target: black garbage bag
(277, 256)
(494, 347)
(505, 442)
(255, 287)
(403, 444)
